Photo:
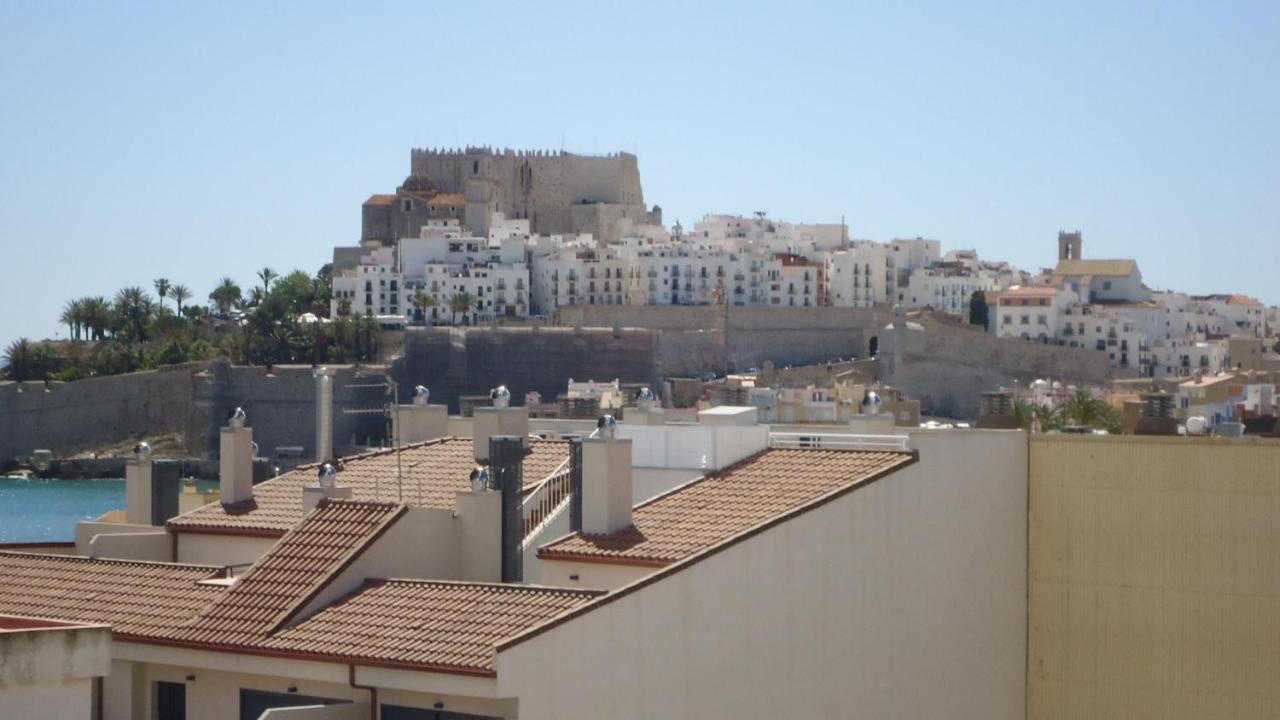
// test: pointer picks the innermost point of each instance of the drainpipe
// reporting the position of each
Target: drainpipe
(373, 692)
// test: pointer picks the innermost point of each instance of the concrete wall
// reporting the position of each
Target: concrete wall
(219, 549)
(71, 698)
(48, 672)
(903, 599)
(1155, 577)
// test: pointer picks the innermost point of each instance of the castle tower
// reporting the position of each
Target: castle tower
(1070, 245)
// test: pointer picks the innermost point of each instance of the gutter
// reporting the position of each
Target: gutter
(373, 691)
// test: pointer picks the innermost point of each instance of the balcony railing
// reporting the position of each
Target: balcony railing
(837, 441)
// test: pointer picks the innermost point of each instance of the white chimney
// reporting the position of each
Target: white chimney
(420, 421)
(488, 422)
(326, 487)
(324, 415)
(138, 486)
(235, 464)
(606, 485)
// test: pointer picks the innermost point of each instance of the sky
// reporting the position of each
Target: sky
(190, 141)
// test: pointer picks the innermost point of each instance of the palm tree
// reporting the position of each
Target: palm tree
(225, 295)
(73, 317)
(1086, 410)
(97, 316)
(422, 301)
(162, 289)
(134, 310)
(266, 274)
(180, 294)
(19, 359)
(461, 302)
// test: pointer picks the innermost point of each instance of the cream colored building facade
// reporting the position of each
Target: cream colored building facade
(1154, 577)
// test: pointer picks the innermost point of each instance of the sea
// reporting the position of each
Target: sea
(47, 510)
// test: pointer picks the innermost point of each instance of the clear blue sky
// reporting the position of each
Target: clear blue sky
(140, 140)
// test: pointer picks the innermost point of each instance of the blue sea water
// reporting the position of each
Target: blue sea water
(38, 510)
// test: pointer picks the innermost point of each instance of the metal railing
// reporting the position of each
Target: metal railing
(838, 441)
(542, 505)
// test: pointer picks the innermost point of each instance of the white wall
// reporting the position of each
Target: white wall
(211, 549)
(71, 698)
(903, 599)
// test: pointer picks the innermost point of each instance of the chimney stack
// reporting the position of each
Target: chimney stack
(606, 484)
(138, 486)
(324, 415)
(506, 469)
(235, 463)
(501, 419)
(326, 487)
(420, 421)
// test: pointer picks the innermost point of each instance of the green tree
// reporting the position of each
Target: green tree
(73, 317)
(225, 296)
(297, 290)
(979, 313)
(162, 289)
(20, 360)
(133, 310)
(1084, 410)
(266, 275)
(180, 294)
(422, 302)
(97, 316)
(461, 302)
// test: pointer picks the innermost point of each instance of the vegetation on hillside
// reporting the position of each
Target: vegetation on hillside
(283, 320)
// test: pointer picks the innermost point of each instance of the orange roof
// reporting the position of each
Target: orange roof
(448, 199)
(450, 626)
(1243, 300)
(291, 573)
(138, 599)
(1029, 292)
(431, 472)
(380, 200)
(715, 508)
(436, 625)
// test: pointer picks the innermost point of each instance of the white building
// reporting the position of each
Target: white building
(945, 288)
(861, 275)
(1102, 280)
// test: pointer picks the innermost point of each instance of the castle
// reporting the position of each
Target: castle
(558, 192)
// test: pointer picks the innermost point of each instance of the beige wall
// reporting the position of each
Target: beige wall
(71, 698)
(904, 599)
(212, 549)
(48, 672)
(1154, 578)
(592, 575)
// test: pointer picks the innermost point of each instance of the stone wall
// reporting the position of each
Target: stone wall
(945, 365)
(470, 361)
(193, 400)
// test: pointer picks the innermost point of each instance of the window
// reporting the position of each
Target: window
(1024, 320)
(1106, 284)
(171, 701)
(475, 167)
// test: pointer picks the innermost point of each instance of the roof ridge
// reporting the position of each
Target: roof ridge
(511, 587)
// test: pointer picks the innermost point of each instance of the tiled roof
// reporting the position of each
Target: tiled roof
(137, 599)
(291, 573)
(713, 509)
(1096, 268)
(448, 199)
(380, 200)
(432, 473)
(442, 625)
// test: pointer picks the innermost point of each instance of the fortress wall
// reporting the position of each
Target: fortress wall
(81, 415)
(470, 361)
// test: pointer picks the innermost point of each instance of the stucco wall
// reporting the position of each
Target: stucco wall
(1155, 578)
(50, 699)
(903, 599)
(211, 549)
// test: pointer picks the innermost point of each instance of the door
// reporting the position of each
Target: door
(171, 701)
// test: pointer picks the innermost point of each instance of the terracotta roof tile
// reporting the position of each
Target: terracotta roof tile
(448, 199)
(713, 509)
(443, 625)
(290, 574)
(1099, 268)
(380, 200)
(137, 599)
(432, 473)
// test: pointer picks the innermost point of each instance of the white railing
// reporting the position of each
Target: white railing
(542, 505)
(837, 441)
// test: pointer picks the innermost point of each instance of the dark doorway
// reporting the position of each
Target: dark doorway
(873, 346)
(400, 712)
(171, 701)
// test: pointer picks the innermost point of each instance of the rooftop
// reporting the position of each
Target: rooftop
(1096, 268)
(448, 199)
(706, 512)
(380, 200)
(138, 599)
(430, 475)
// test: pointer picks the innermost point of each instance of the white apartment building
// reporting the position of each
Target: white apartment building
(945, 288)
(1031, 313)
(861, 275)
(579, 275)
(372, 288)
